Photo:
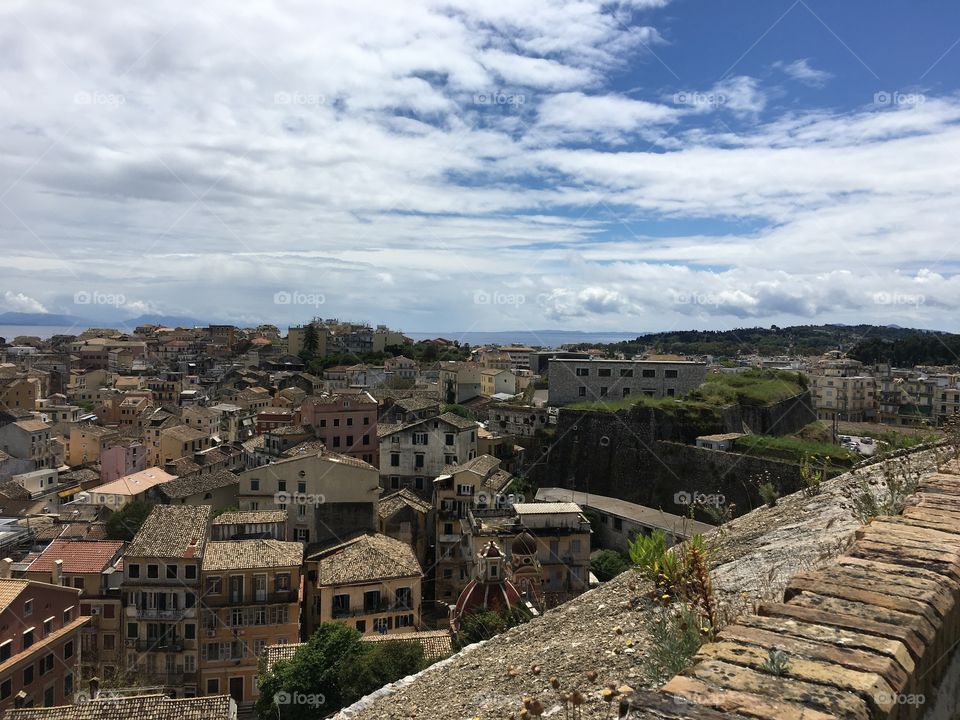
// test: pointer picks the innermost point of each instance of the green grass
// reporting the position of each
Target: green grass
(795, 449)
(753, 387)
(667, 404)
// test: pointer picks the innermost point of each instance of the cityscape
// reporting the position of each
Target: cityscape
(428, 360)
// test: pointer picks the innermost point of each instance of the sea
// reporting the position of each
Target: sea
(541, 338)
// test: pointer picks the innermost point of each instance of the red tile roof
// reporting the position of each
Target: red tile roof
(79, 556)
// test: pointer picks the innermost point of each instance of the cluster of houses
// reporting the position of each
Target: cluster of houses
(382, 497)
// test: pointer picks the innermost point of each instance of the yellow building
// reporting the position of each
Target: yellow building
(86, 442)
(370, 582)
(251, 599)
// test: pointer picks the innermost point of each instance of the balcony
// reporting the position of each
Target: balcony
(143, 613)
(160, 645)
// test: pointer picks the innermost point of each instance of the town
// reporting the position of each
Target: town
(186, 507)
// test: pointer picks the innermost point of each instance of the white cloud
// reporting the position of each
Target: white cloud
(802, 71)
(18, 302)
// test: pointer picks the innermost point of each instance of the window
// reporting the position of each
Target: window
(603, 391)
(366, 439)
(418, 460)
(28, 675)
(582, 391)
(618, 524)
(671, 392)
(394, 482)
(626, 372)
(394, 459)
(341, 605)
(404, 598)
(46, 664)
(213, 686)
(190, 572)
(448, 439)
(626, 391)
(323, 422)
(153, 571)
(133, 631)
(381, 625)
(301, 487)
(336, 441)
(49, 696)
(583, 372)
(604, 372)
(649, 373)
(281, 485)
(418, 483)
(349, 422)
(282, 581)
(5, 689)
(361, 626)
(420, 438)
(109, 641)
(68, 615)
(28, 608)
(171, 572)
(670, 373)
(366, 420)
(5, 650)
(47, 626)
(190, 631)
(254, 485)
(336, 422)
(133, 570)
(574, 546)
(214, 585)
(27, 638)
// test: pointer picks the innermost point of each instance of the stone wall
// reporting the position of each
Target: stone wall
(871, 635)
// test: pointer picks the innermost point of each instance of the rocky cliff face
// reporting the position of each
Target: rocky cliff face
(598, 638)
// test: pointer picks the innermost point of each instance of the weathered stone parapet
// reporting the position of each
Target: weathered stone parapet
(869, 636)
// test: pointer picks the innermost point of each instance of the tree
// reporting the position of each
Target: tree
(332, 670)
(607, 564)
(311, 339)
(125, 523)
(484, 624)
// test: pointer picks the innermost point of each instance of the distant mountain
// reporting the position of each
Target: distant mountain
(81, 323)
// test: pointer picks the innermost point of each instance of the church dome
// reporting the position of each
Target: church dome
(524, 544)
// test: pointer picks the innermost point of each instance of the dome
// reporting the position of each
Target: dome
(524, 544)
(486, 596)
(491, 551)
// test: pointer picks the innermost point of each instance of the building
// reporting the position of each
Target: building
(619, 521)
(325, 495)
(489, 589)
(370, 582)
(517, 420)
(251, 599)
(31, 440)
(91, 567)
(562, 533)
(493, 382)
(404, 516)
(459, 381)
(720, 441)
(571, 381)
(161, 591)
(250, 525)
(345, 423)
(107, 705)
(87, 442)
(180, 441)
(116, 494)
(477, 483)
(520, 356)
(412, 454)
(401, 368)
(218, 489)
(40, 627)
(842, 390)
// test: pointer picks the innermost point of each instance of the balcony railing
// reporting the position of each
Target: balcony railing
(160, 645)
(158, 614)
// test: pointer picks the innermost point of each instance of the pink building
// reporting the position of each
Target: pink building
(122, 459)
(346, 424)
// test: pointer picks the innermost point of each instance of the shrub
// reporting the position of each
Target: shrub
(607, 564)
(675, 638)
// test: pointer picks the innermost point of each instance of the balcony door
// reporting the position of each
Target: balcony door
(260, 588)
(236, 588)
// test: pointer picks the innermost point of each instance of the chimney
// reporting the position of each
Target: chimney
(56, 576)
(94, 688)
(5, 565)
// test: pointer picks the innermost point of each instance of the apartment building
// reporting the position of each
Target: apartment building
(412, 454)
(31, 440)
(370, 582)
(459, 381)
(520, 356)
(571, 381)
(87, 442)
(251, 599)
(40, 627)
(325, 495)
(91, 567)
(181, 441)
(345, 423)
(562, 533)
(841, 388)
(477, 483)
(400, 368)
(161, 591)
(405, 517)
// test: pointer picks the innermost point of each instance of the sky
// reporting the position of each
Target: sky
(640, 165)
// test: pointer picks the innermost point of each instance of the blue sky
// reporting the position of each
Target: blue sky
(642, 165)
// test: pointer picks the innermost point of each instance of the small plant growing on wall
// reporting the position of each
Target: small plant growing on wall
(777, 662)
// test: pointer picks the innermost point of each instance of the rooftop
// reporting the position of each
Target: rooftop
(134, 484)
(364, 559)
(394, 502)
(546, 508)
(250, 554)
(172, 531)
(188, 485)
(138, 707)
(250, 517)
(78, 556)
